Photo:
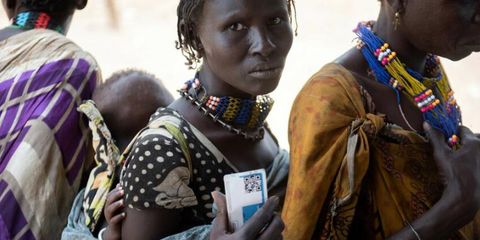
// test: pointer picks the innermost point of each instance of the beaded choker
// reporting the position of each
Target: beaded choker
(34, 20)
(237, 115)
(432, 94)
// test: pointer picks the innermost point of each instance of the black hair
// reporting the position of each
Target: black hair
(188, 12)
(56, 8)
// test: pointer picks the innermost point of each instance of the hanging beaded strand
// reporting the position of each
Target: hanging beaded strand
(235, 114)
(35, 20)
(390, 71)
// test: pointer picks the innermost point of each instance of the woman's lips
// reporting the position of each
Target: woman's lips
(266, 72)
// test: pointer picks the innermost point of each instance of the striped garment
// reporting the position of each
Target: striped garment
(44, 77)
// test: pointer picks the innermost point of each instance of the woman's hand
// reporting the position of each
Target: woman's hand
(460, 170)
(114, 214)
(265, 224)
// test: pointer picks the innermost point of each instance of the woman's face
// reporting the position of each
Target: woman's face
(245, 42)
(449, 28)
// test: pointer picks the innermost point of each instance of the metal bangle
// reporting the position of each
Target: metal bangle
(100, 234)
(414, 231)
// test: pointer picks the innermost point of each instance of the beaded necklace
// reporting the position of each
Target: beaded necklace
(432, 95)
(34, 20)
(237, 115)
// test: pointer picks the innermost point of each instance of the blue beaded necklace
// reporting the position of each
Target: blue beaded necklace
(432, 95)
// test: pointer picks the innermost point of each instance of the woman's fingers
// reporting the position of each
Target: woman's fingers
(114, 203)
(113, 208)
(466, 135)
(274, 229)
(220, 223)
(436, 137)
(114, 195)
(117, 219)
(260, 219)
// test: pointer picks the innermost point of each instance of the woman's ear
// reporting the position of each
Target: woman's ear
(81, 4)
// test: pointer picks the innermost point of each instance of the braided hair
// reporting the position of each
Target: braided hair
(188, 12)
(55, 8)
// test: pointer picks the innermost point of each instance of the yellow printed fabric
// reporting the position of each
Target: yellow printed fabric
(107, 158)
(353, 175)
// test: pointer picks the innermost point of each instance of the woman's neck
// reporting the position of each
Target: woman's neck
(216, 86)
(62, 23)
(408, 54)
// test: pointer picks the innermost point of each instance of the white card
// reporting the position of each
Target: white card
(245, 192)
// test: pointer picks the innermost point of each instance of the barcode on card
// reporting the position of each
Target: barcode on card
(253, 183)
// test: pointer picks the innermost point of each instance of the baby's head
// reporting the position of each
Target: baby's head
(126, 101)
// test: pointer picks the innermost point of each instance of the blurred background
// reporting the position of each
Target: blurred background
(141, 34)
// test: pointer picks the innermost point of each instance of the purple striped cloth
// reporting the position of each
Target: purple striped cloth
(44, 77)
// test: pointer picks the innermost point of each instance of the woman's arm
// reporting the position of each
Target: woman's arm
(156, 184)
(461, 198)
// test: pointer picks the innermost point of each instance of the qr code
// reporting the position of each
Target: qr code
(253, 183)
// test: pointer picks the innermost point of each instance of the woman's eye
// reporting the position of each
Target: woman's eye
(275, 21)
(237, 27)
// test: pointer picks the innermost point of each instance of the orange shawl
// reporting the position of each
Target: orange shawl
(352, 174)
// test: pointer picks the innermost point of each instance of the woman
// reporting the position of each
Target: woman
(43, 78)
(356, 133)
(183, 154)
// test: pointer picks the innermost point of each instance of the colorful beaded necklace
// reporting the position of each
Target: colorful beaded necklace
(237, 115)
(432, 95)
(34, 20)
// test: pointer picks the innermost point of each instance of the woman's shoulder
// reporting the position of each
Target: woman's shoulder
(165, 127)
(332, 78)
(48, 44)
(157, 171)
(332, 85)
(167, 115)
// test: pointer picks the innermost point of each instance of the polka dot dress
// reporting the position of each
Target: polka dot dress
(157, 173)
